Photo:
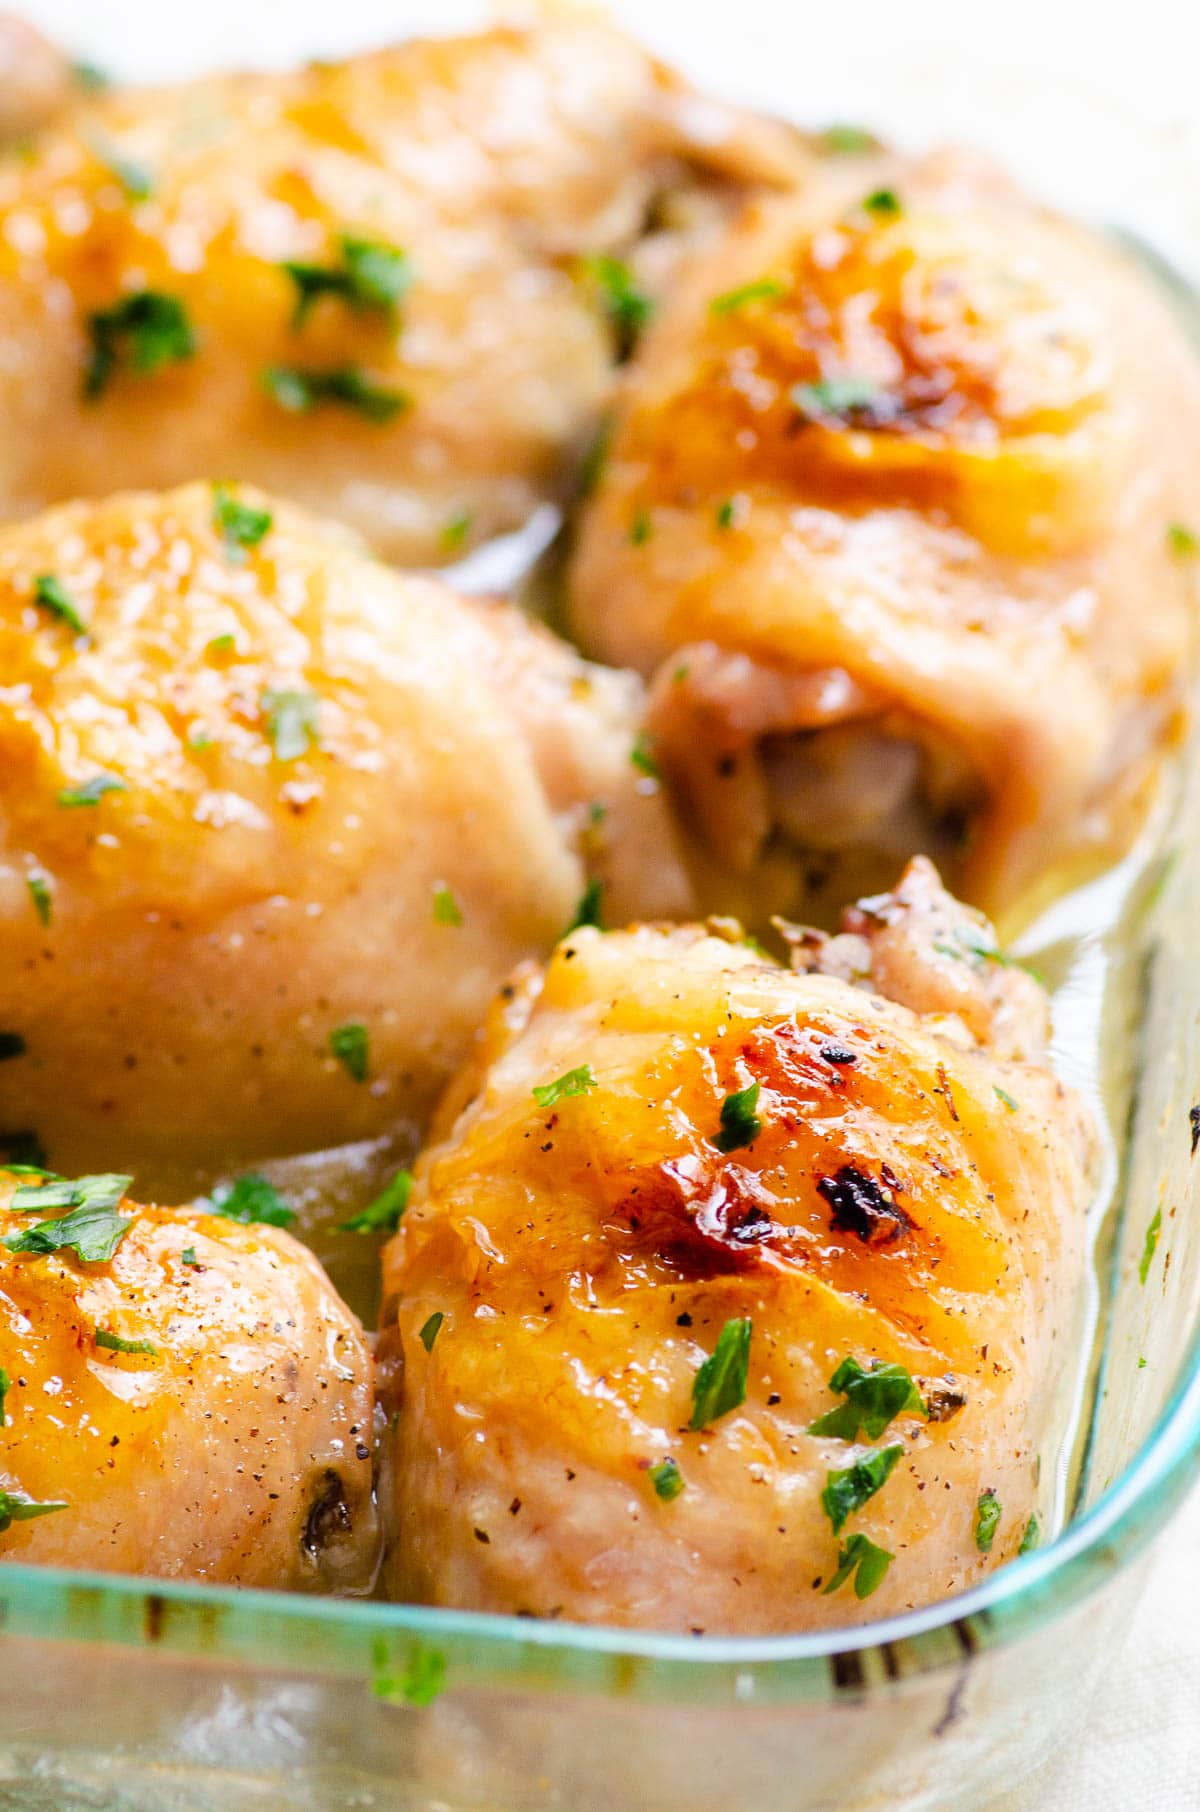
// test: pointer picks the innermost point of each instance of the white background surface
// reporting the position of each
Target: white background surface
(1098, 108)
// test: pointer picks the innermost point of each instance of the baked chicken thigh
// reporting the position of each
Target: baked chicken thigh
(382, 287)
(900, 508)
(182, 1396)
(275, 821)
(731, 1299)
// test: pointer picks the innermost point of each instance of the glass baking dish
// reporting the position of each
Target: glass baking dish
(125, 1696)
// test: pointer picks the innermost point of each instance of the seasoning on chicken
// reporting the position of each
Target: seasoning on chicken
(182, 1396)
(275, 821)
(732, 1299)
(898, 508)
(387, 287)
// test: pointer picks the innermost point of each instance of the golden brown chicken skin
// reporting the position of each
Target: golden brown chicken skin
(275, 821)
(684, 1210)
(357, 283)
(37, 83)
(899, 509)
(184, 1396)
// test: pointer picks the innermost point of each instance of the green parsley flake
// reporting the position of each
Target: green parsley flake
(574, 1082)
(15, 1507)
(349, 1044)
(91, 792)
(720, 1383)
(40, 894)
(93, 1227)
(300, 390)
(667, 1480)
(641, 528)
(868, 1564)
(847, 1490)
(456, 532)
(846, 140)
(1031, 1537)
(740, 1125)
(765, 289)
(11, 1045)
(52, 595)
(1182, 540)
(5, 1387)
(384, 1214)
(292, 721)
(116, 1344)
(90, 77)
(430, 1330)
(627, 307)
(874, 1398)
(590, 910)
(221, 644)
(134, 178)
(883, 203)
(102, 1191)
(240, 526)
(642, 758)
(371, 275)
(727, 513)
(446, 909)
(836, 398)
(250, 1199)
(987, 1521)
(424, 1675)
(145, 332)
(1007, 1099)
(1148, 1250)
(188, 1257)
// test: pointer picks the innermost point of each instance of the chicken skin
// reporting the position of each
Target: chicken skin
(37, 83)
(900, 508)
(359, 284)
(275, 821)
(731, 1299)
(183, 1396)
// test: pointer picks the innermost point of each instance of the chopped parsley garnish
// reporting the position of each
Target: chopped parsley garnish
(39, 893)
(764, 289)
(848, 139)
(1032, 1535)
(626, 306)
(591, 469)
(5, 1387)
(93, 1227)
(384, 1214)
(833, 399)
(846, 1491)
(1002, 1095)
(1182, 540)
(642, 759)
(740, 1125)
(145, 332)
(249, 1199)
(987, 1521)
(300, 390)
(371, 275)
(188, 1257)
(574, 1082)
(1150, 1247)
(430, 1329)
(116, 1344)
(292, 721)
(874, 1398)
(423, 1679)
(667, 1480)
(720, 1383)
(590, 908)
(92, 791)
(446, 909)
(52, 595)
(90, 77)
(727, 513)
(641, 528)
(240, 526)
(15, 1507)
(868, 1564)
(134, 178)
(221, 644)
(456, 532)
(883, 203)
(11, 1045)
(349, 1045)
